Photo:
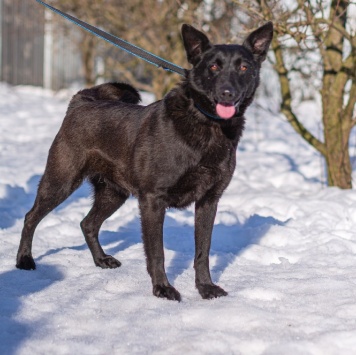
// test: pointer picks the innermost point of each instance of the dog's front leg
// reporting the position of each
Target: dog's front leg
(205, 211)
(152, 217)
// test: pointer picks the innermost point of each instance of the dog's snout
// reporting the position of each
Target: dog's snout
(227, 94)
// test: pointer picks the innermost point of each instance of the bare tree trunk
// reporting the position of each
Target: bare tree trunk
(337, 156)
(337, 127)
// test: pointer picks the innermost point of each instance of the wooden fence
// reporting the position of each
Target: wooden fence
(32, 50)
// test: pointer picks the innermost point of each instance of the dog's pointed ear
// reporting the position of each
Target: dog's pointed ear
(259, 40)
(195, 43)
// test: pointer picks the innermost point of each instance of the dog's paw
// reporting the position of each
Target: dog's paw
(26, 262)
(168, 292)
(107, 262)
(210, 291)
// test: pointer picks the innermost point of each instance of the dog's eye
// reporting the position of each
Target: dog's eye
(214, 67)
(243, 67)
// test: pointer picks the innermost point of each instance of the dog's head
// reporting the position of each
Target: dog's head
(224, 77)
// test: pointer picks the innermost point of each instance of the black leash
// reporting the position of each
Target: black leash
(118, 42)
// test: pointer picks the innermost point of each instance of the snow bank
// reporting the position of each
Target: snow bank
(284, 248)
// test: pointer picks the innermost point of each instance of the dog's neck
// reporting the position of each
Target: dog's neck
(206, 113)
(202, 104)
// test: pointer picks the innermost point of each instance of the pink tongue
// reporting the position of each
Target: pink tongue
(225, 112)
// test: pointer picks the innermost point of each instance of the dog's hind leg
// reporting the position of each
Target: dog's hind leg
(57, 183)
(108, 199)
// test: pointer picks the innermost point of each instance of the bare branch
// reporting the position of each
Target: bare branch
(286, 107)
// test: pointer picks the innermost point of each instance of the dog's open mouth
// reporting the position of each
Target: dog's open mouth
(225, 110)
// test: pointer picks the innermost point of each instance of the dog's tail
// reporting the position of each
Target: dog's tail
(110, 91)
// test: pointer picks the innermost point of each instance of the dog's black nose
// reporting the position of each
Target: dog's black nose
(227, 94)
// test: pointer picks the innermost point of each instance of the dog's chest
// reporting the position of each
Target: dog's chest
(211, 174)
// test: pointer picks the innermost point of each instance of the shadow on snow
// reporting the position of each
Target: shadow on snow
(16, 285)
(228, 242)
(17, 201)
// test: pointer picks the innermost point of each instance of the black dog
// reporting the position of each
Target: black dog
(171, 153)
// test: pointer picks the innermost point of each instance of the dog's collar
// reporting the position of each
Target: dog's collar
(207, 114)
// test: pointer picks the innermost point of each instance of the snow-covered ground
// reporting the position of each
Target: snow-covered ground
(284, 248)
